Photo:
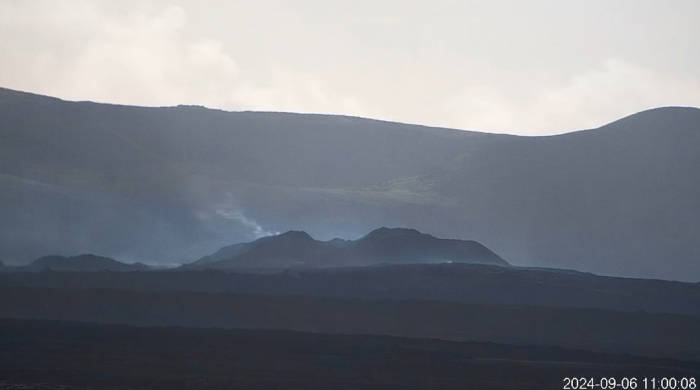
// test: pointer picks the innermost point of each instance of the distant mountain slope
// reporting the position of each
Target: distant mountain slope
(265, 148)
(622, 200)
(83, 263)
(171, 184)
(295, 249)
(163, 174)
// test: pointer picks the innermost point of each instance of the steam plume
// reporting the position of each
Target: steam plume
(256, 229)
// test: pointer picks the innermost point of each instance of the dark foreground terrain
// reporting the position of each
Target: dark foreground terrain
(638, 333)
(59, 355)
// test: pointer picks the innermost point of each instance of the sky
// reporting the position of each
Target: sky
(532, 67)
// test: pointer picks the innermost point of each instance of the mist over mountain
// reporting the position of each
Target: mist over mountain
(169, 185)
(296, 249)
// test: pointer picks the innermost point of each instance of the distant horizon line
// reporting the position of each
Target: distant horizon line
(200, 106)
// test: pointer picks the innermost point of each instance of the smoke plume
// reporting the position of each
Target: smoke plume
(256, 229)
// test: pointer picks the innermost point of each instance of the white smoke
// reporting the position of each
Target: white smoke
(256, 229)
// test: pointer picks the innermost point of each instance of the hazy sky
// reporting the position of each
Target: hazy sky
(525, 67)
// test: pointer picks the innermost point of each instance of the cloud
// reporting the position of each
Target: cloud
(587, 100)
(138, 53)
(297, 92)
(142, 53)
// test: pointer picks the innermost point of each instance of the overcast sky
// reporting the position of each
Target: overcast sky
(523, 67)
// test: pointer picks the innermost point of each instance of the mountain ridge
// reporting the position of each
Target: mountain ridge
(14, 92)
(84, 262)
(297, 249)
(612, 200)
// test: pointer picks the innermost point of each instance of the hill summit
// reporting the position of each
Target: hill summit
(297, 249)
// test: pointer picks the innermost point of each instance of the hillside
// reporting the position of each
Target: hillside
(623, 199)
(172, 184)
